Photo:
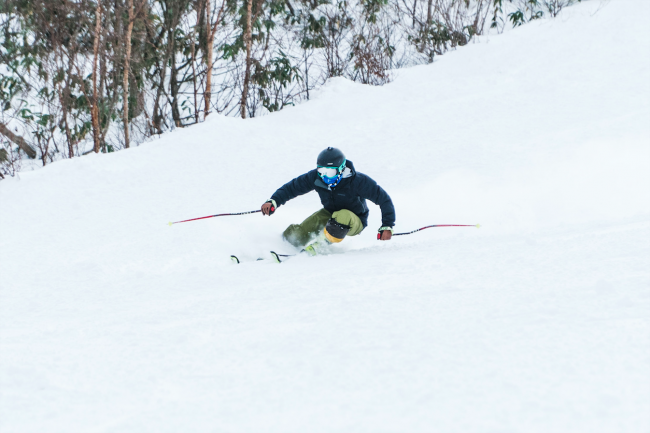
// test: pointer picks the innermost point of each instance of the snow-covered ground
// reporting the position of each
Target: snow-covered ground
(112, 321)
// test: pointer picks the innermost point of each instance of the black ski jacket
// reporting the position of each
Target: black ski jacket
(351, 193)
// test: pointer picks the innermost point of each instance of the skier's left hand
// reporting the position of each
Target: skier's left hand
(386, 235)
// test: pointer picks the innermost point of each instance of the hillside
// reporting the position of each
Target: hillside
(110, 320)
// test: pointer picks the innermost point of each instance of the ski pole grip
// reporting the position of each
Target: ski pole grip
(272, 208)
(379, 236)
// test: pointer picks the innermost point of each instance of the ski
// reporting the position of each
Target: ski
(236, 260)
(279, 258)
(276, 257)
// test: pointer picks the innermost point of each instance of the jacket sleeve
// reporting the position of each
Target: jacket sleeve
(299, 186)
(376, 194)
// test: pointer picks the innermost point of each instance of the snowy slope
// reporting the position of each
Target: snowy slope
(111, 321)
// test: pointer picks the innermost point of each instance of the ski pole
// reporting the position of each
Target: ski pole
(428, 227)
(277, 256)
(218, 215)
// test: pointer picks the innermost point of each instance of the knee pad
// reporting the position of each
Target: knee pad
(335, 231)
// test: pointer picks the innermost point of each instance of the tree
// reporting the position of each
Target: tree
(95, 99)
(125, 80)
(211, 29)
(247, 42)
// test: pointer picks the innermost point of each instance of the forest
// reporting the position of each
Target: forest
(81, 76)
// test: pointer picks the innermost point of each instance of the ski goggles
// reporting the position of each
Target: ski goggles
(330, 171)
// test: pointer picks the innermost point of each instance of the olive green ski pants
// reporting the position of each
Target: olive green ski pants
(299, 235)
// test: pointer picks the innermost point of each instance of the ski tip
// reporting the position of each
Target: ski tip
(234, 259)
(276, 257)
(478, 226)
(170, 223)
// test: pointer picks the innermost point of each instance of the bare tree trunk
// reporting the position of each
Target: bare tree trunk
(196, 105)
(173, 81)
(64, 100)
(68, 135)
(157, 115)
(211, 30)
(64, 114)
(102, 86)
(208, 59)
(20, 141)
(47, 147)
(125, 80)
(247, 41)
(478, 23)
(95, 109)
(414, 13)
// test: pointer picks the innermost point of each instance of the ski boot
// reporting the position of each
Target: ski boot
(313, 248)
(333, 233)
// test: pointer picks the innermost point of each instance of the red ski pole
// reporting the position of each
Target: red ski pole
(218, 215)
(428, 227)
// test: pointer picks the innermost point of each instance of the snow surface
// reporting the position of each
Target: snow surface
(111, 321)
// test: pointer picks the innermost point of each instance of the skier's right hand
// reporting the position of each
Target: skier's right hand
(268, 208)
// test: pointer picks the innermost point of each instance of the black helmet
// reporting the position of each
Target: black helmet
(330, 157)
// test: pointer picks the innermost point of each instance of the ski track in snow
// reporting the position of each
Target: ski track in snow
(111, 321)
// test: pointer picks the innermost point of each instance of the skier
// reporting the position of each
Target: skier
(343, 193)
